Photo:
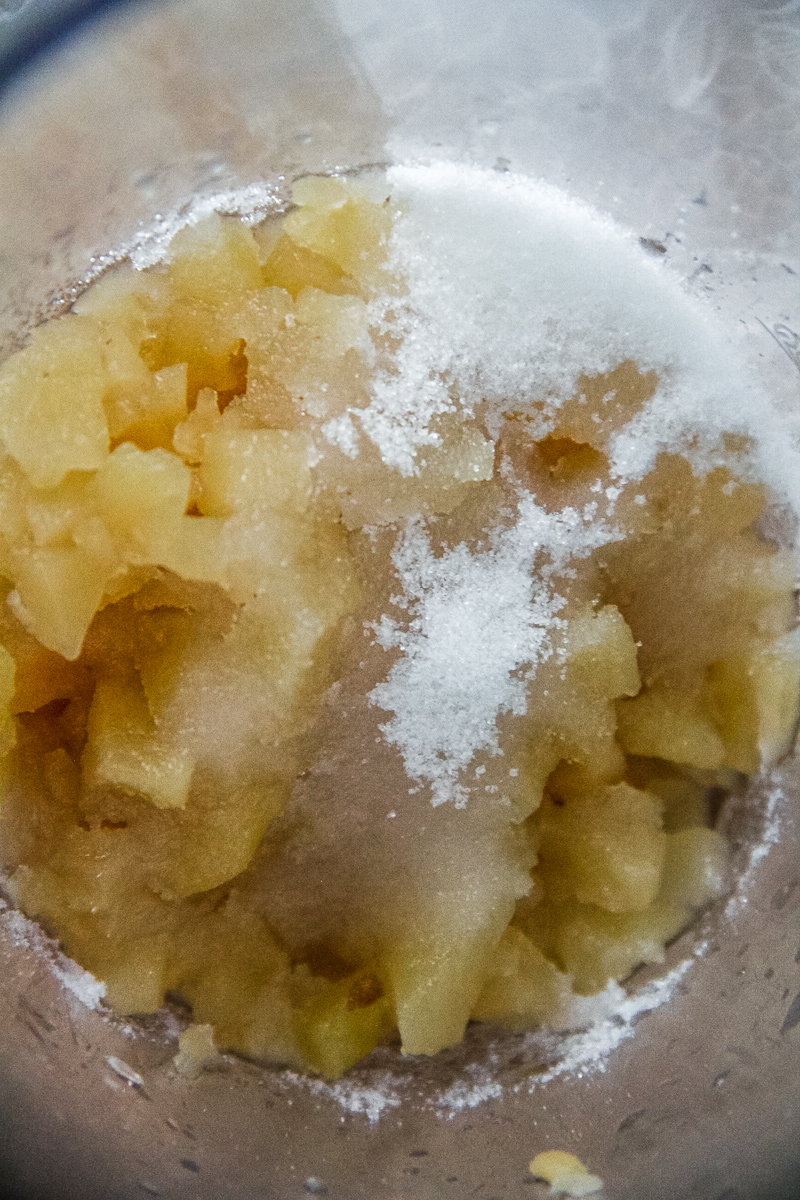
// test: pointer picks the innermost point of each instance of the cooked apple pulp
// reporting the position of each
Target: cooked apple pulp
(354, 690)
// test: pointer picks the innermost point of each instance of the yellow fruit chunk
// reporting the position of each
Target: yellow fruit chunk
(263, 319)
(254, 470)
(141, 497)
(129, 384)
(195, 550)
(81, 887)
(565, 1173)
(294, 267)
(219, 833)
(342, 1024)
(51, 401)
(214, 259)
(297, 567)
(437, 964)
(193, 332)
(147, 414)
(436, 983)
(602, 653)
(215, 268)
(333, 324)
(8, 733)
(124, 749)
(524, 988)
(15, 496)
(196, 1051)
(695, 867)
(236, 349)
(574, 717)
(53, 515)
(345, 227)
(602, 845)
(57, 592)
(134, 979)
(659, 724)
(324, 353)
(189, 436)
(232, 971)
(126, 299)
(754, 700)
(595, 945)
(229, 698)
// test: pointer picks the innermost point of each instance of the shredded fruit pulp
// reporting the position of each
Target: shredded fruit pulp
(388, 608)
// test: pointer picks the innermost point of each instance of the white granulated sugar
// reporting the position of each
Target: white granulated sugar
(770, 836)
(27, 935)
(588, 1051)
(464, 1095)
(581, 1012)
(341, 432)
(88, 990)
(24, 933)
(252, 204)
(514, 291)
(370, 1101)
(479, 624)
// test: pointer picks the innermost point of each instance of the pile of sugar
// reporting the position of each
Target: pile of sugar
(514, 291)
(479, 624)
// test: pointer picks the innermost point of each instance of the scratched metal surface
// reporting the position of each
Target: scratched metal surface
(681, 121)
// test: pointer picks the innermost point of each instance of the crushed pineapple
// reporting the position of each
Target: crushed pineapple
(203, 512)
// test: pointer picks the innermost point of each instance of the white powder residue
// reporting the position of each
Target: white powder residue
(479, 625)
(84, 987)
(579, 1012)
(612, 1013)
(24, 933)
(151, 246)
(586, 1052)
(372, 1101)
(770, 836)
(27, 935)
(342, 432)
(466, 1095)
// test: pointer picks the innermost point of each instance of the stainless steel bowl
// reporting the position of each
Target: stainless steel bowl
(680, 121)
